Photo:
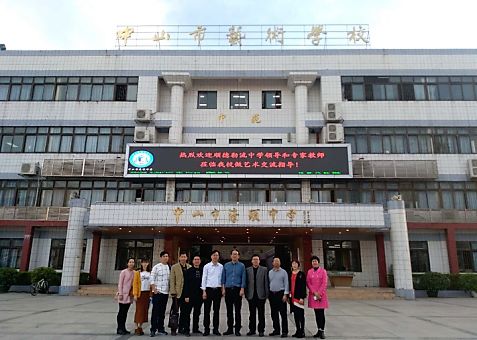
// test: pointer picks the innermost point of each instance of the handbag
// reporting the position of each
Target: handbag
(174, 316)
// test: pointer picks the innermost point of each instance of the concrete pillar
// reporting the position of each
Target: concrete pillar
(73, 246)
(300, 82)
(177, 110)
(93, 267)
(305, 191)
(170, 190)
(452, 250)
(400, 250)
(381, 254)
(26, 248)
(301, 108)
(179, 82)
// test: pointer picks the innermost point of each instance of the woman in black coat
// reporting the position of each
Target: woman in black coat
(297, 298)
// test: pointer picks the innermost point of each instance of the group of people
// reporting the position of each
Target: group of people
(190, 286)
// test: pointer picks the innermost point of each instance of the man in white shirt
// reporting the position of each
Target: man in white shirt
(212, 291)
(160, 287)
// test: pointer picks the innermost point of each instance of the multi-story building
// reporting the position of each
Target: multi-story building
(408, 118)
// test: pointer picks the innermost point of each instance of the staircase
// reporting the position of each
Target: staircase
(355, 293)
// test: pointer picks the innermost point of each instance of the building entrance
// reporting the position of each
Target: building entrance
(247, 250)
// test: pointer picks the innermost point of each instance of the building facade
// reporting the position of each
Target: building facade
(407, 117)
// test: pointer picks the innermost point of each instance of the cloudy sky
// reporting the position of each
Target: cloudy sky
(92, 24)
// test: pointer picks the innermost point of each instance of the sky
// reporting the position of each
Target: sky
(92, 24)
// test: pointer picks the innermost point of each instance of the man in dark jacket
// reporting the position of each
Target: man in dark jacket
(192, 294)
(256, 294)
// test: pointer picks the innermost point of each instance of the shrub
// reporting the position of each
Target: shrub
(454, 282)
(468, 282)
(390, 279)
(49, 274)
(23, 279)
(433, 282)
(7, 278)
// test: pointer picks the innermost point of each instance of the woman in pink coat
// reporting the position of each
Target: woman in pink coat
(124, 296)
(317, 282)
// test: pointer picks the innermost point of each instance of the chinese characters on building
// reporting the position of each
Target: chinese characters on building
(176, 36)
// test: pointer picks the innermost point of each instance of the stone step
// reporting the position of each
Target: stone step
(354, 293)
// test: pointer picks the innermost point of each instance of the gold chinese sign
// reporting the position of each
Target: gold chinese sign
(243, 36)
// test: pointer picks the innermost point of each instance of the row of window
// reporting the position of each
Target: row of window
(417, 195)
(408, 88)
(412, 140)
(237, 141)
(68, 88)
(239, 100)
(65, 139)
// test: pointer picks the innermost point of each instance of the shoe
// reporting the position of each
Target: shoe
(229, 332)
(206, 332)
(173, 332)
(125, 331)
(251, 333)
(162, 332)
(141, 332)
(152, 334)
(120, 332)
(284, 335)
(237, 333)
(261, 334)
(137, 331)
(216, 332)
(186, 333)
(322, 335)
(317, 335)
(300, 335)
(274, 333)
(295, 335)
(197, 331)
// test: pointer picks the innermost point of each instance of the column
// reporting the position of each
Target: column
(400, 250)
(170, 190)
(299, 82)
(452, 250)
(26, 248)
(179, 82)
(93, 267)
(74, 246)
(382, 271)
(305, 191)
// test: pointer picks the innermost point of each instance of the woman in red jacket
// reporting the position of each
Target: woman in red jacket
(297, 298)
(317, 282)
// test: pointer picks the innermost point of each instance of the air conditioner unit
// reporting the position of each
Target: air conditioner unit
(143, 116)
(141, 134)
(334, 133)
(332, 113)
(472, 168)
(29, 169)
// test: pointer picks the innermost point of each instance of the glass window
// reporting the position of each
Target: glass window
(132, 93)
(238, 141)
(271, 99)
(342, 256)
(61, 92)
(205, 141)
(239, 99)
(419, 256)
(57, 253)
(26, 92)
(15, 92)
(207, 100)
(97, 92)
(467, 256)
(108, 92)
(10, 252)
(85, 92)
(4, 92)
(136, 249)
(72, 92)
(271, 141)
(120, 93)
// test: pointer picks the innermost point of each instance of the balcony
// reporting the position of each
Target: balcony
(415, 169)
(83, 167)
(429, 215)
(35, 213)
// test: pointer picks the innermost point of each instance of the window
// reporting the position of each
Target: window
(271, 141)
(342, 256)
(57, 253)
(271, 100)
(239, 99)
(467, 256)
(207, 100)
(10, 252)
(419, 256)
(136, 249)
(238, 141)
(205, 141)
(408, 88)
(68, 88)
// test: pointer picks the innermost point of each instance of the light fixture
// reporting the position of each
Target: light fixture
(347, 229)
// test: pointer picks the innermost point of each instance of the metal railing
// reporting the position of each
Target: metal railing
(394, 169)
(83, 167)
(35, 213)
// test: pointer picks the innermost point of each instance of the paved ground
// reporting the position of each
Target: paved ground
(72, 317)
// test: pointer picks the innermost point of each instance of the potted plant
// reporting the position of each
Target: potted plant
(341, 278)
(432, 283)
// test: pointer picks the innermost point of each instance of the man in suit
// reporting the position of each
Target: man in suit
(176, 284)
(192, 296)
(256, 294)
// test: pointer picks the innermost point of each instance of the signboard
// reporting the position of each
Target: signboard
(238, 161)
